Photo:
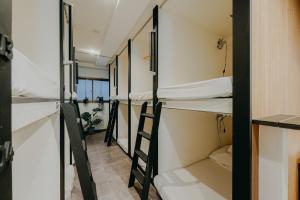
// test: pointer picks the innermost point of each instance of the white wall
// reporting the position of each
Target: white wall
(36, 166)
(187, 52)
(92, 72)
(141, 77)
(123, 73)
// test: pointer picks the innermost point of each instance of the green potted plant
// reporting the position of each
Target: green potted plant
(92, 119)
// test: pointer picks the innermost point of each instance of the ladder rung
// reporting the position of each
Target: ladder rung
(141, 169)
(142, 155)
(145, 135)
(139, 176)
(148, 115)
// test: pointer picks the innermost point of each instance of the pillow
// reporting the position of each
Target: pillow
(222, 157)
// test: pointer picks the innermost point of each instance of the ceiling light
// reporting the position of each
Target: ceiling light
(90, 51)
(117, 3)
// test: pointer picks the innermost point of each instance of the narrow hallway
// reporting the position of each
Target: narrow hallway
(110, 168)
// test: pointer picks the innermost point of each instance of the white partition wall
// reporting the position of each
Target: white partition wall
(188, 36)
(141, 79)
(123, 97)
(36, 166)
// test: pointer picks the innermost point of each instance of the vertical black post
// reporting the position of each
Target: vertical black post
(71, 58)
(74, 70)
(241, 101)
(70, 47)
(129, 100)
(117, 93)
(62, 99)
(109, 90)
(77, 73)
(5, 98)
(155, 82)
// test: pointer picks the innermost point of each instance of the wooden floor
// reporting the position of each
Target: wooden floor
(111, 169)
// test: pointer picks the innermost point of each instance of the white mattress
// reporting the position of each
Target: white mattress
(219, 105)
(119, 97)
(28, 80)
(141, 96)
(213, 88)
(123, 142)
(23, 115)
(204, 180)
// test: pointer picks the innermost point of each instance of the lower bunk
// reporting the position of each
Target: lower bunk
(208, 179)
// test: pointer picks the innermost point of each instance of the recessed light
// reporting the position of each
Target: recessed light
(90, 51)
(117, 3)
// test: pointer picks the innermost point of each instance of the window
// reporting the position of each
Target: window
(92, 89)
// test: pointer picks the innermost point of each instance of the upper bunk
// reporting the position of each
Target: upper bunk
(32, 90)
(214, 95)
(195, 55)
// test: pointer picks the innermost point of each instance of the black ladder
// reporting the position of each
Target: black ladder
(87, 184)
(79, 122)
(111, 123)
(137, 172)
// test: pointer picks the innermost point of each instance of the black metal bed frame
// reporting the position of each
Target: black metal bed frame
(5, 99)
(242, 119)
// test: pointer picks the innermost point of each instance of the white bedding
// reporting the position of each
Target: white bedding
(141, 96)
(219, 105)
(119, 97)
(204, 180)
(213, 88)
(28, 80)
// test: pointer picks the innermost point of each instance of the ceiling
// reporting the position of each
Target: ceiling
(100, 27)
(213, 15)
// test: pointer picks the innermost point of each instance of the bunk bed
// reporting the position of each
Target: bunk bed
(138, 98)
(27, 81)
(195, 87)
(214, 95)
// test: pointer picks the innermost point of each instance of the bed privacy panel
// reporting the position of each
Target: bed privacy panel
(36, 124)
(123, 126)
(141, 77)
(188, 40)
(123, 74)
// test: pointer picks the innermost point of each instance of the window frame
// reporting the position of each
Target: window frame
(93, 79)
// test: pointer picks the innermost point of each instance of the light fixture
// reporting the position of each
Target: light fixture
(90, 51)
(117, 3)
